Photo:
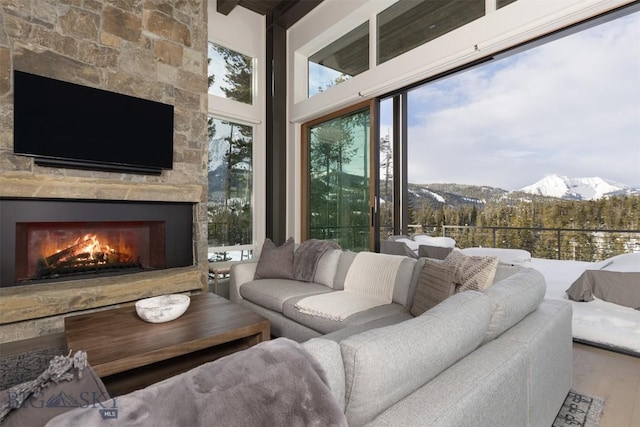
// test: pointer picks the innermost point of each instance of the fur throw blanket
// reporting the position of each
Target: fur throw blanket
(306, 258)
(276, 383)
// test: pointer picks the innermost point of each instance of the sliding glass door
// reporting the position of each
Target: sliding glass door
(336, 178)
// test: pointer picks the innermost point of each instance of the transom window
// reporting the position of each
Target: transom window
(230, 74)
(344, 58)
(408, 24)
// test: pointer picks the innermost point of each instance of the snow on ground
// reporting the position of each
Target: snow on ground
(597, 321)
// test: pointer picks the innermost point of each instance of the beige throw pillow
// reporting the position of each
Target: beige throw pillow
(434, 286)
(472, 272)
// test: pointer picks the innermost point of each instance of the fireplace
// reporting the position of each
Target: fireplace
(45, 240)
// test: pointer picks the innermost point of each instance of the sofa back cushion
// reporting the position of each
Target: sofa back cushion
(512, 299)
(327, 353)
(384, 365)
(327, 267)
(405, 281)
(345, 261)
(406, 277)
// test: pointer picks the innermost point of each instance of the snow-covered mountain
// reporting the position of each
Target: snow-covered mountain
(578, 188)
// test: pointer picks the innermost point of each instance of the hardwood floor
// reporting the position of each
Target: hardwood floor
(612, 376)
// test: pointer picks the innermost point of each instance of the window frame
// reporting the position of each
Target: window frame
(237, 31)
(371, 106)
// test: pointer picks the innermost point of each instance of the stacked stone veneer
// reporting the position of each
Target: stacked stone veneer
(151, 49)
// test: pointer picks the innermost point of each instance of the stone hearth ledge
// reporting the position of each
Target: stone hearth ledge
(19, 303)
(64, 187)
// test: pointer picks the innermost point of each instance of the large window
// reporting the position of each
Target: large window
(337, 173)
(560, 119)
(230, 207)
(236, 108)
(230, 179)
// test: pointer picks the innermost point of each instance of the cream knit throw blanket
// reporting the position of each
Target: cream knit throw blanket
(369, 283)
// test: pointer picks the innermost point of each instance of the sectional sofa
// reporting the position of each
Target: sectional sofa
(501, 356)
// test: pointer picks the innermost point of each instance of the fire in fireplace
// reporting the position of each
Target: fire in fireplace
(54, 250)
(48, 240)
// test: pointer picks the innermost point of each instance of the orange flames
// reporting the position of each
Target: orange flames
(89, 246)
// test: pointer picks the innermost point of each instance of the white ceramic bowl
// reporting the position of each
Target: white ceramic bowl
(162, 308)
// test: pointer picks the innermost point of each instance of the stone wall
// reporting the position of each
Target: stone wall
(153, 49)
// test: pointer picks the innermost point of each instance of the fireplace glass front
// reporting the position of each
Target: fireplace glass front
(56, 250)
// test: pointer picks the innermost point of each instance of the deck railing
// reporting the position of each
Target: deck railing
(578, 244)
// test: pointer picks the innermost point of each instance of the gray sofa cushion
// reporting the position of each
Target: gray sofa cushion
(474, 393)
(381, 322)
(326, 326)
(405, 281)
(327, 267)
(272, 293)
(417, 270)
(512, 299)
(547, 335)
(399, 359)
(328, 354)
(346, 258)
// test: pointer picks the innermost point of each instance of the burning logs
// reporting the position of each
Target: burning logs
(83, 256)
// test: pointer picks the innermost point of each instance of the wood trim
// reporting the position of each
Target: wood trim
(304, 162)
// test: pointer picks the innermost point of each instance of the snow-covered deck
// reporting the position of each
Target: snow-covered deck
(598, 322)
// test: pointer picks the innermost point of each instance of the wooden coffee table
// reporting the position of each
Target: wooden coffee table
(129, 353)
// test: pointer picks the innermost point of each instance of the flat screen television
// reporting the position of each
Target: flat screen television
(68, 125)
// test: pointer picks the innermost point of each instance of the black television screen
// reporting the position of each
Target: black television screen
(69, 125)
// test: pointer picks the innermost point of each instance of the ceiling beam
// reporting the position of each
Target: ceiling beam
(226, 6)
(293, 12)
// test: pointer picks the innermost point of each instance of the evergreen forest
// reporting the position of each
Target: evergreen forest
(547, 227)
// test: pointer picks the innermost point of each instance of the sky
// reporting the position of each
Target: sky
(569, 107)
